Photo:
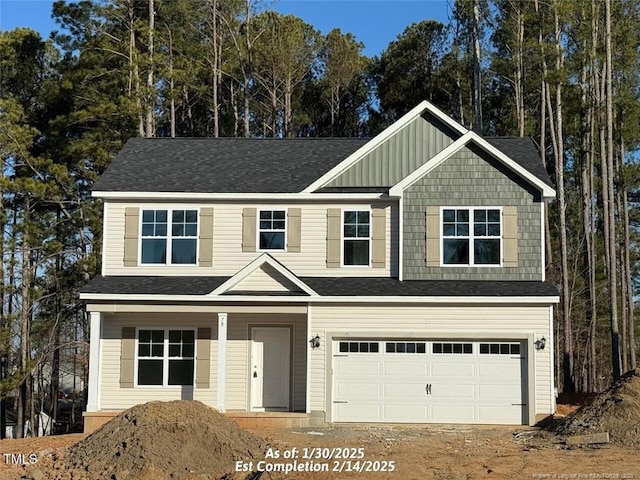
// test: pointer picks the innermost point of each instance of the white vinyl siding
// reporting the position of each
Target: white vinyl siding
(430, 322)
(265, 279)
(228, 256)
(112, 397)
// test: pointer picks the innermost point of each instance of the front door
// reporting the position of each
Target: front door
(270, 368)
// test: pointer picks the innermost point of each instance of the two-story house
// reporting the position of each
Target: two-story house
(396, 279)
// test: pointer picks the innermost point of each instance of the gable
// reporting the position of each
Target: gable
(399, 155)
(265, 279)
(471, 177)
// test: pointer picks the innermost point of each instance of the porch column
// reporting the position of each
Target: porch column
(95, 328)
(222, 360)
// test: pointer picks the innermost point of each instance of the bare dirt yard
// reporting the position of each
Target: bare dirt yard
(188, 441)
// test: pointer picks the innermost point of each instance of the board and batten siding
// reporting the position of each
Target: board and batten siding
(238, 356)
(112, 396)
(429, 322)
(399, 155)
(228, 257)
(470, 178)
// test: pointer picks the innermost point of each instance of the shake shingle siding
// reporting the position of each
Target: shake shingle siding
(471, 179)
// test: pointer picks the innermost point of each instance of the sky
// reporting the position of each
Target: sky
(373, 22)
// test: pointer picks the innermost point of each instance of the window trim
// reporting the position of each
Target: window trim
(165, 358)
(285, 231)
(342, 237)
(471, 237)
(169, 237)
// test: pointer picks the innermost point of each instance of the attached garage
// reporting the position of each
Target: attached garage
(430, 381)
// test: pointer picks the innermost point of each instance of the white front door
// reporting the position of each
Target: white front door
(270, 368)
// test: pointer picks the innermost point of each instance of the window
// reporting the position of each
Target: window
(272, 229)
(453, 348)
(359, 347)
(357, 237)
(166, 357)
(169, 235)
(471, 236)
(406, 347)
(500, 348)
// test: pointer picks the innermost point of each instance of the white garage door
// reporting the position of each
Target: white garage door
(429, 381)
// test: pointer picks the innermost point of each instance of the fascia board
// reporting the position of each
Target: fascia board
(193, 196)
(327, 299)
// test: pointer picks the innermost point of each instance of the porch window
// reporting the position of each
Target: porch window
(169, 237)
(272, 229)
(166, 357)
(357, 238)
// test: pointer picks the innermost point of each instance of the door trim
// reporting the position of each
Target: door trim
(251, 328)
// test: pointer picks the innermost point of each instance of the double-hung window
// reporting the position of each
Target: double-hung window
(169, 237)
(471, 236)
(166, 357)
(272, 229)
(356, 235)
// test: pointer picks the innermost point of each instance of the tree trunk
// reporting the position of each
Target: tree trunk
(612, 254)
(150, 87)
(25, 320)
(477, 79)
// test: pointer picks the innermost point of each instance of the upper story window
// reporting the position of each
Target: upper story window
(272, 230)
(471, 236)
(356, 237)
(166, 357)
(169, 236)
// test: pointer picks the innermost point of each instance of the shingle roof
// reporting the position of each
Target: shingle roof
(385, 286)
(248, 165)
(223, 165)
(140, 285)
(524, 152)
(327, 286)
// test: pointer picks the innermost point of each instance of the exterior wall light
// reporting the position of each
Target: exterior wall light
(540, 343)
(315, 342)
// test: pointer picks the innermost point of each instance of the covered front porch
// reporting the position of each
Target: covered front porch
(248, 361)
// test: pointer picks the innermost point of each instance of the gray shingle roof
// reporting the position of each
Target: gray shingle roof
(153, 285)
(327, 286)
(524, 152)
(247, 165)
(223, 165)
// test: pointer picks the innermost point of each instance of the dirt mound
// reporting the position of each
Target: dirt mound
(158, 440)
(616, 410)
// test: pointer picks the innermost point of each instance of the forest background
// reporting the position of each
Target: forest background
(564, 72)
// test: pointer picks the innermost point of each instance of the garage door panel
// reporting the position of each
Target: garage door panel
(453, 413)
(496, 414)
(404, 413)
(401, 368)
(452, 369)
(359, 390)
(362, 413)
(505, 371)
(453, 392)
(359, 368)
(405, 390)
(499, 391)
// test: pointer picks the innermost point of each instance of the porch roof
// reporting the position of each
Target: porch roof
(327, 286)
